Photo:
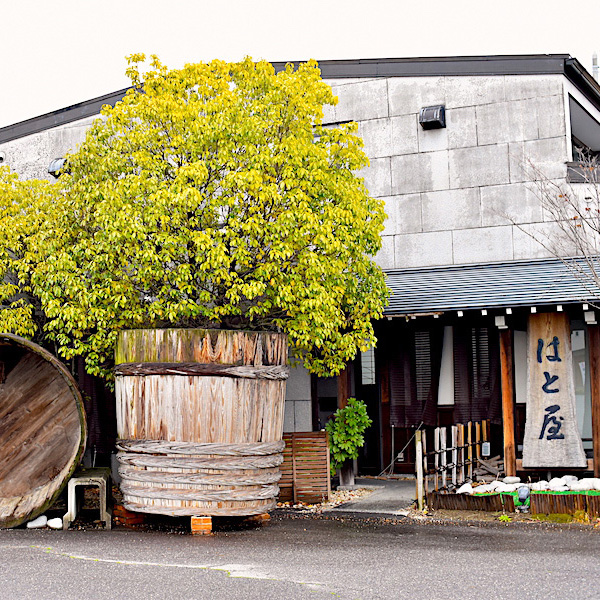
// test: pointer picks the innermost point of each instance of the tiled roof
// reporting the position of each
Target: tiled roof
(491, 285)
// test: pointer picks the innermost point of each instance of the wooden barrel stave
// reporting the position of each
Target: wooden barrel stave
(221, 427)
(42, 429)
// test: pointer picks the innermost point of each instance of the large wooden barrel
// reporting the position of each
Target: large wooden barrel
(200, 420)
(42, 429)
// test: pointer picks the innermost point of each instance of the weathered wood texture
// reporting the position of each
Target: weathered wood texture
(508, 401)
(551, 437)
(488, 502)
(224, 431)
(594, 340)
(464, 450)
(42, 429)
(305, 474)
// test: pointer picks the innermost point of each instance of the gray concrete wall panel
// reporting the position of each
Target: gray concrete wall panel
(518, 87)
(361, 101)
(425, 172)
(485, 244)
(386, 258)
(540, 240)
(471, 91)
(509, 203)
(513, 121)
(477, 166)
(403, 214)
(407, 95)
(451, 209)
(461, 127)
(378, 177)
(423, 249)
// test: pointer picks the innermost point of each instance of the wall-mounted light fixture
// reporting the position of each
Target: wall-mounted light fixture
(56, 167)
(590, 317)
(500, 321)
(433, 117)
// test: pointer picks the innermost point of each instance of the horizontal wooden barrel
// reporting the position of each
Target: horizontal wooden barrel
(42, 429)
(200, 420)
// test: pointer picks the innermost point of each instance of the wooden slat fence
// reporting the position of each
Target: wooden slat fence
(456, 450)
(305, 469)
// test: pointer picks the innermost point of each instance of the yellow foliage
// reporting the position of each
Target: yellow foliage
(213, 196)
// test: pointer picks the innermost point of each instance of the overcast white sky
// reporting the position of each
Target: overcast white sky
(59, 52)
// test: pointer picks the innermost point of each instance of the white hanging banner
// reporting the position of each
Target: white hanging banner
(551, 439)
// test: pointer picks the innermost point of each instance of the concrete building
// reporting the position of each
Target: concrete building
(458, 248)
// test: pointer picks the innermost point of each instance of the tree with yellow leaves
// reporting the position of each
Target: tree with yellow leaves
(24, 206)
(212, 196)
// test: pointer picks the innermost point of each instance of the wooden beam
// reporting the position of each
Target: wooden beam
(508, 403)
(594, 342)
(344, 386)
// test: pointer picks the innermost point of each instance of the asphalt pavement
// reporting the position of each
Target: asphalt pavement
(294, 557)
(389, 497)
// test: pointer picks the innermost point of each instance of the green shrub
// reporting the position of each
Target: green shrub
(345, 431)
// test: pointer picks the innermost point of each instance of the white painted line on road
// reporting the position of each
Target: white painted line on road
(232, 570)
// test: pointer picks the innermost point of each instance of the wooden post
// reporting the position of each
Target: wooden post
(344, 386)
(443, 456)
(436, 458)
(508, 403)
(454, 431)
(425, 466)
(461, 453)
(470, 450)
(594, 343)
(294, 481)
(419, 465)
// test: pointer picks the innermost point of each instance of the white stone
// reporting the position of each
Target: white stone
(512, 480)
(483, 489)
(466, 488)
(570, 478)
(583, 485)
(41, 521)
(556, 481)
(55, 523)
(494, 484)
(558, 485)
(504, 487)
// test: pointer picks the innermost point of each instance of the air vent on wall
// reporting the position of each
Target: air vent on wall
(433, 117)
